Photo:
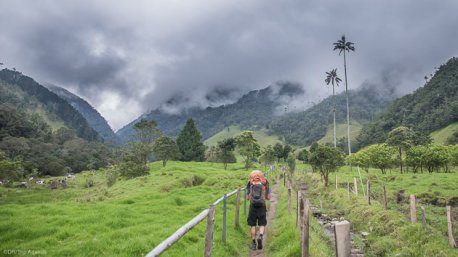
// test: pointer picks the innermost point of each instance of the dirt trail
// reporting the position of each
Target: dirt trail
(270, 218)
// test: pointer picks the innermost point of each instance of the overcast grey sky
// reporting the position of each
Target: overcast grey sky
(128, 57)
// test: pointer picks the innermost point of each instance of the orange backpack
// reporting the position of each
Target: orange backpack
(256, 178)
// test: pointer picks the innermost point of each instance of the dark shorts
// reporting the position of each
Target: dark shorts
(257, 214)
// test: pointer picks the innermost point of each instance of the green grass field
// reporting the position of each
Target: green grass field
(341, 131)
(127, 219)
(232, 131)
(440, 136)
(391, 233)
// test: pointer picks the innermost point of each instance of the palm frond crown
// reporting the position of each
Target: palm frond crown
(343, 45)
(331, 77)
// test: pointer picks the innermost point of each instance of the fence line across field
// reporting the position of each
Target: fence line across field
(207, 213)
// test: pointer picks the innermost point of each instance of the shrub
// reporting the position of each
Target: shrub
(112, 177)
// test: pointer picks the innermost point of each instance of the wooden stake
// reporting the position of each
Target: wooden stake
(224, 219)
(305, 231)
(209, 234)
(413, 209)
(289, 201)
(336, 182)
(385, 202)
(348, 189)
(423, 215)
(368, 192)
(298, 210)
(451, 236)
(237, 209)
(361, 179)
(356, 185)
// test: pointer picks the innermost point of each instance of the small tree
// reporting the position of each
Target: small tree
(360, 159)
(135, 156)
(278, 150)
(381, 156)
(211, 154)
(291, 160)
(402, 139)
(189, 142)
(146, 132)
(326, 160)
(165, 149)
(268, 156)
(225, 152)
(248, 147)
(303, 155)
(286, 150)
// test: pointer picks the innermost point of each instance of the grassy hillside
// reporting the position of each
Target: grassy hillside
(127, 219)
(390, 231)
(341, 132)
(232, 131)
(440, 136)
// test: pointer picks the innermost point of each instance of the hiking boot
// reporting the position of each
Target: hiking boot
(253, 245)
(259, 242)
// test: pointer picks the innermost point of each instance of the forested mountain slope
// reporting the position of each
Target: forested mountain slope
(93, 117)
(429, 108)
(53, 104)
(36, 133)
(254, 110)
(303, 128)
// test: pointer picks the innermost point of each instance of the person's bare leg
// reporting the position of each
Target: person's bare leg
(253, 232)
(261, 229)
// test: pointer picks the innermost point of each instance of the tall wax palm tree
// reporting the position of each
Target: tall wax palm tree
(345, 46)
(331, 77)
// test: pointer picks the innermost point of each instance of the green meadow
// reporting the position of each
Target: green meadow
(440, 136)
(341, 131)
(128, 219)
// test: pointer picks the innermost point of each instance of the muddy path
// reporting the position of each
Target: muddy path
(270, 219)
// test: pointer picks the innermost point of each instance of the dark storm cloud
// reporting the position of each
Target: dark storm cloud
(127, 57)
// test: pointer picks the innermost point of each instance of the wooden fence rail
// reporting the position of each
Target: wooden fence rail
(208, 213)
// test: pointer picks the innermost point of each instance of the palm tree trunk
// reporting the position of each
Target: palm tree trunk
(334, 111)
(348, 108)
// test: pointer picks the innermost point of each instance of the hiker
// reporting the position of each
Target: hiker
(257, 190)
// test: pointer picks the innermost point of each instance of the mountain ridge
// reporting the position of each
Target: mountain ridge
(93, 117)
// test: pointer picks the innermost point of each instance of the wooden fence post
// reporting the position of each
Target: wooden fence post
(298, 210)
(423, 215)
(289, 201)
(244, 202)
(413, 209)
(342, 238)
(451, 236)
(209, 234)
(368, 192)
(237, 209)
(356, 185)
(284, 179)
(224, 218)
(348, 189)
(336, 182)
(385, 202)
(305, 231)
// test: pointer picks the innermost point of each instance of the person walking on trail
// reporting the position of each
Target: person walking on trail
(257, 190)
